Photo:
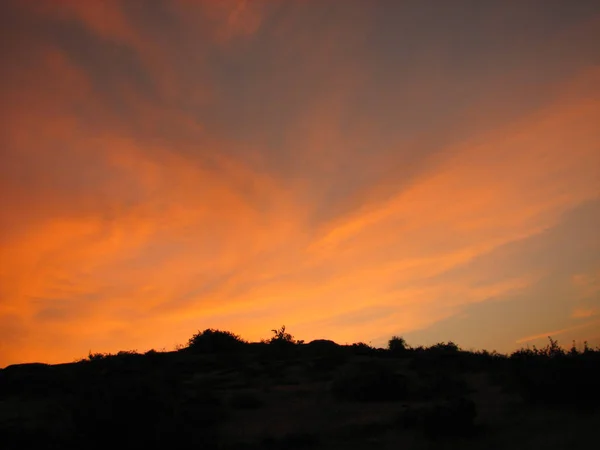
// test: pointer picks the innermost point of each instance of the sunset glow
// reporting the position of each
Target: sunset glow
(351, 169)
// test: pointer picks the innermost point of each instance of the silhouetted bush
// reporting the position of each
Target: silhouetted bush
(551, 350)
(551, 376)
(214, 341)
(369, 382)
(361, 348)
(442, 356)
(282, 337)
(123, 355)
(483, 360)
(97, 356)
(282, 345)
(444, 348)
(397, 345)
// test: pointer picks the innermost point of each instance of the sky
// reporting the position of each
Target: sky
(351, 169)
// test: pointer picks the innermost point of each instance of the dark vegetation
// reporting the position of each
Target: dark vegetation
(222, 392)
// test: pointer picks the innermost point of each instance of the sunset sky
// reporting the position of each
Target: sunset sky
(353, 169)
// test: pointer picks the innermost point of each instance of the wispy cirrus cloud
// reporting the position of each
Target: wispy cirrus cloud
(178, 165)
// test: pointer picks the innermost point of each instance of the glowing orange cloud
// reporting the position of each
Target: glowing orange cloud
(241, 165)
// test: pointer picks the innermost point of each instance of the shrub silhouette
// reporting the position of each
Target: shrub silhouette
(282, 337)
(212, 341)
(445, 348)
(369, 383)
(361, 348)
(282, 345)
(397, 345)
(551, 376)
(97, 356)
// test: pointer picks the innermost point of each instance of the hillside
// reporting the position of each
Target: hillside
(222, 392)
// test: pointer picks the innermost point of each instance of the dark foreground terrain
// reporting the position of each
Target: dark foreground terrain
(223, 393)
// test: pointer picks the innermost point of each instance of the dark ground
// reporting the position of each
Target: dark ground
(287, 395)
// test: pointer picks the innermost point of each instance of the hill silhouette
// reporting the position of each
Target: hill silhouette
(222, 392)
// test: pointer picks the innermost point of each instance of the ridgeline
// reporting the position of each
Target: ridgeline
(221, 392)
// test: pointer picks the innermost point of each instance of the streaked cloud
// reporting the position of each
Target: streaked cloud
(557, 332)
(353, 172)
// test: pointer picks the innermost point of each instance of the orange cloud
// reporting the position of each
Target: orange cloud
(553, 334)
(167, 176)
(581, 313)
(588, 284)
